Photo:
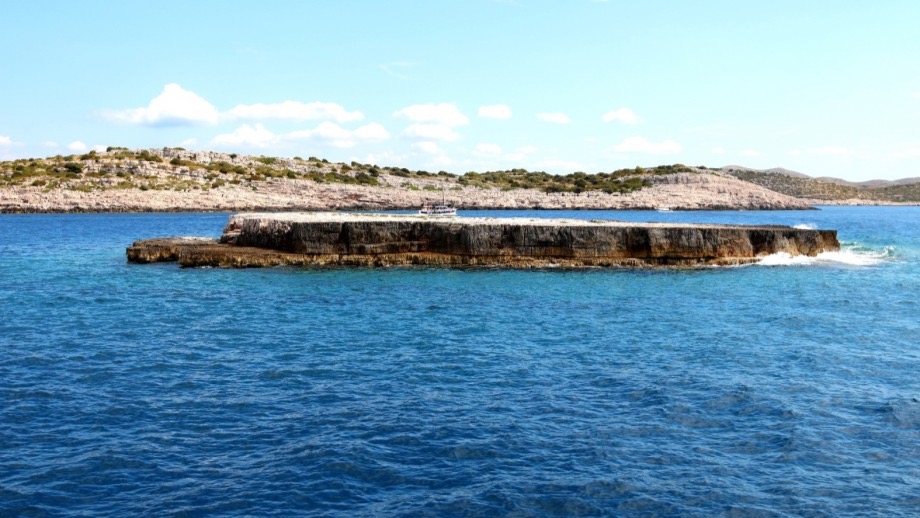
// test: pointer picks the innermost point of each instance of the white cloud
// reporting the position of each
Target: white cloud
(99, 148)
(431, 132)
(717, 151)
(643, 145)
(329, 133)
(372, 131)
(174, 106)
(293, 110)
(831, 150)
(247, 136)
(488, 149)
(554, 117)
(76, 145)
(428, 147)
(442, 114)
(495, 111)
(395, 69)
(337, 136)
(624, 115)
(5, 141)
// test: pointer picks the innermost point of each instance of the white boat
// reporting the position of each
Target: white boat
(663, 209)
(439, 209)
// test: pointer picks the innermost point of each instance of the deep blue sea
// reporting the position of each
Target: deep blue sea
(790, 388)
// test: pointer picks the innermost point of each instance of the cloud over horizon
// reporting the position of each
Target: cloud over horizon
(432, 121)
(327, 133)
(175, 106)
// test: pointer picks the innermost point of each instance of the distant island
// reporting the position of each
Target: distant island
(175, 179)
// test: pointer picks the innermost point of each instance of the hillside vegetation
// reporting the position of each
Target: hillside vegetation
(811, 188)
(181, 171)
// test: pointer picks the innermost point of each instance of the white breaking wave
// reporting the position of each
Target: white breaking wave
(850, 256)
(806, 226)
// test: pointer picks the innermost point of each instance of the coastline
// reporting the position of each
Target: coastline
(174, 180)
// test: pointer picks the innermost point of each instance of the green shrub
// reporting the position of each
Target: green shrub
(73, 167)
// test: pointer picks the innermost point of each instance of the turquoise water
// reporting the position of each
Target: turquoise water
(753, 391)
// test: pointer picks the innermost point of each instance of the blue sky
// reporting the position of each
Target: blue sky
(822, 87)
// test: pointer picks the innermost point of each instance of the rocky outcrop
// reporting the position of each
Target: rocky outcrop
(386, 240)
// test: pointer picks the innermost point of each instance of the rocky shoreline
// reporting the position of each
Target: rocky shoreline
(176, 180)
(373, 240)
(678, 192)
(173, 180)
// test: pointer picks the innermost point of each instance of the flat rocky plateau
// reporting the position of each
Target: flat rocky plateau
(343, 239)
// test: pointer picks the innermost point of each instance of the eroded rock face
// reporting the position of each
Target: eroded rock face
(381, 240)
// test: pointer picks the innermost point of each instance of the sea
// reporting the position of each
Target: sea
(785, 388)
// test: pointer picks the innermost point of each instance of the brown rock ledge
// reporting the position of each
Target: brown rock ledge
(340, 239)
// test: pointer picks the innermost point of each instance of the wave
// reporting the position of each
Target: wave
(806, 226)
(850, 254)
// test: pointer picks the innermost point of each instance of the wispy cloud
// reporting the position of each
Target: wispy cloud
(432, 121)
(5, 141)
(397, 69)
(293, 110)
(488, 150)
(428, 147)
(495, 111)
(554, 117)
(441, 113)
(76, 145)
(257, 136)
(643, 145)
(431, 132)
(332, 134)
(624, 115)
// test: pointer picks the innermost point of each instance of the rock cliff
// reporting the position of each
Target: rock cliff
(385, 240)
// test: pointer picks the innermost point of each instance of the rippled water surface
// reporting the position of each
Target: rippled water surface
(752, 391)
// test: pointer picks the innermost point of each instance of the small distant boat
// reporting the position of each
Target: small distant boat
(663, 209)
(438, 209)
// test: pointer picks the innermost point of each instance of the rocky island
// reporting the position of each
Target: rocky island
(349, 239)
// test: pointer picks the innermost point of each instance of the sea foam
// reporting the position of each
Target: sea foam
(852, 254)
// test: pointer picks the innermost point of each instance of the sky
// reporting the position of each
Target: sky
(827, 88)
